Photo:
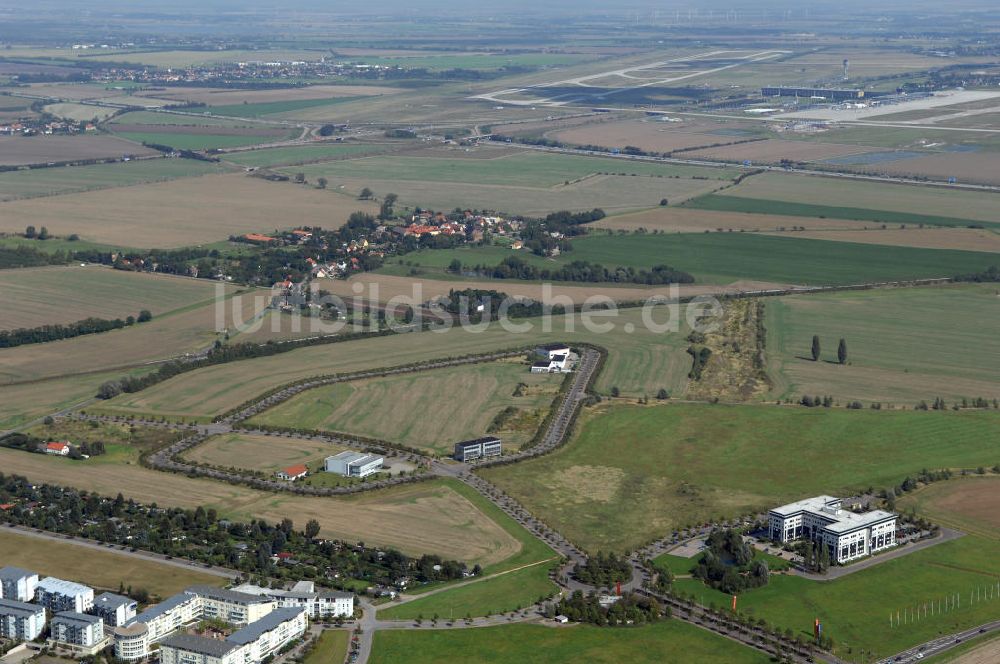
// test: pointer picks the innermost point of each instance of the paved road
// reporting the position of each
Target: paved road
(942, 644)
(838, 571)
(123, 551)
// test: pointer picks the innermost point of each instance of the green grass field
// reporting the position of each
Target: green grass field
(904, 345)
(855, 609)
(274, 107)
(670, 641)
(728, 257)
(525, 169)
(195, 141)
(766, 206)
(157, 118)
(464, 400)
(635, 473)
(331, 648)
(640, 362)
(500, 594)
(301, 155)
(66, 179)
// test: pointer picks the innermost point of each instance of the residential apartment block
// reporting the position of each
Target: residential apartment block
(20, 621)
(17, 584)
(78, 629)
(59, 595)
(114, 609)
(323, 604)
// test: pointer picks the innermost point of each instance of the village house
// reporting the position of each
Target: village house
(293, 473)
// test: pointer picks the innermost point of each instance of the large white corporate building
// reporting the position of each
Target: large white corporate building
(354, 464)
(846, 534)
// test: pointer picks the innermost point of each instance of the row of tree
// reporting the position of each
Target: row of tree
(43, 333)
(514, 267)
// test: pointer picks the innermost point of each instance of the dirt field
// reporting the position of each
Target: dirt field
(971, 504)
(201, 130)
(225, 97)
(266, 453)
(774, 150)
(976, 167)
(419, 518)
(183, 212)
(17, 150)
(49, 295)
(987, 653)
(685, 220)
(968, 239)
(100, 569)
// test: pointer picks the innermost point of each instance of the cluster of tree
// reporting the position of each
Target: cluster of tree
(30, 443)
(603, 570)
(466, 303)
(24, 256)
(631, 609)
(940, 404)
(199, 535)
(817, 401)
(841, 350)
(728, 563)
(990, 274)
(36, 335)
(699, 358)
(514, 267)
(815, 555)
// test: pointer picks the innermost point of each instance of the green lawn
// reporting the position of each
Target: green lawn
(635, 473)
(303, 154)
(526, 169)
(195, 141)
(501, 594)
(787, 208)
(855, 609)
(728, 257)
(464, 401)
(273, 107)
(669, 641)
(331, 648)
(66, 179)
(904, 345)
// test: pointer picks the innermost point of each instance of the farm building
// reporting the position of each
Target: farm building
(353, 464)
(846, 534)
(293, 473)
(479, 448)
(58, 449)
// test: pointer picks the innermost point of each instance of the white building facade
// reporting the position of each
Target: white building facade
(480, 448)
(354, 464)
(250, 645)
(17, 584)
(847, 535)
(78, 629)
(114, 609)
(20, 621)
(58, 595)
(322, 604)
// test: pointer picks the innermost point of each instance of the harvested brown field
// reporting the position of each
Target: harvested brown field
(420, 518)
(21, 150)
(388, 286)
(258, 452)
(689, 220)
(226, 97)
(775, 149)
(182, 212)
(966, 239)
(987, 653)
(60, 294)
(213, 130)
(966, 167)
(971, 504)
(650, 135)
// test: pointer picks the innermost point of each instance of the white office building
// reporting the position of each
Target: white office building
(17, 584)
(20, 621)
(78, 629)
(322, 604)
(58, 595)
(354, 464)
(479, 448)
(169, 615)
(847, 535)
(114, 609)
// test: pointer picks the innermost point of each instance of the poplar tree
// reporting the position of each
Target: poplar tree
(842, 352)
(815, 347)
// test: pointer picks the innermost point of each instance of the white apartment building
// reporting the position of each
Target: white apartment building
(847, 535)
(250, 645)
(20, 621)
(354, 464)
(58, 595)
(230, 606)
(323, 604)
(114, 609)
(17, 584)
(131, 642)
(78, 629)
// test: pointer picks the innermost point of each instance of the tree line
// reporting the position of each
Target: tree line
(514, 267)
(44, 333)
